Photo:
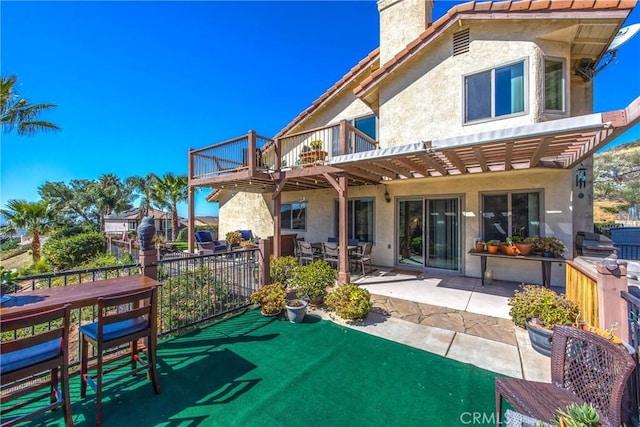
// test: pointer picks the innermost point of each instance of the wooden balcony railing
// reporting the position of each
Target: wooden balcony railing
(253, 154)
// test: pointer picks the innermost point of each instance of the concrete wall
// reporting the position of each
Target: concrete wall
(401, 22)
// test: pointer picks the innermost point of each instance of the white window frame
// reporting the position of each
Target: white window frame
(509, 194)
(492, 117)
(132, 224)
(563, 61)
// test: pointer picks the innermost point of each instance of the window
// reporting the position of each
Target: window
(294, 216)
(132, 225)
(510, 214)
(554, 85)
(367, 125)
(495, 93)
(361, 223)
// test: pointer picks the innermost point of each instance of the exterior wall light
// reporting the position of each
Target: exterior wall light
(581, 177)
(387, 197)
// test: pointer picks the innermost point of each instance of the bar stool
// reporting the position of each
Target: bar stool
(29, 356)
(121, 320)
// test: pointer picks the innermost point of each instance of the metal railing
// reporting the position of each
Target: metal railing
(228, 157)
(307, 148)
(633, 310)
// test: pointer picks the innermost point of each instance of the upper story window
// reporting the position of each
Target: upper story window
(294, 216)
(367, 125)
(132, 225)
(554, 85)
(495, 93)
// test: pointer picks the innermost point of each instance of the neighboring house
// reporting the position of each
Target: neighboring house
(129, 220)
(478, 125)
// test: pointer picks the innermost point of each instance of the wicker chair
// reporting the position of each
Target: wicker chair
(585, 367)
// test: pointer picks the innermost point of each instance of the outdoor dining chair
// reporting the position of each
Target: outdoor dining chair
(29, 357)
(122, 320)
(363, 257)
(306, 253)
(331, 253)
(585, 368)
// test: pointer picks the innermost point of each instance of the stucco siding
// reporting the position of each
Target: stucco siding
(433, 83)
(246, 211)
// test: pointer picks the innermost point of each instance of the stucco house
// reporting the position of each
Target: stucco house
(479, 125)
(126, 221)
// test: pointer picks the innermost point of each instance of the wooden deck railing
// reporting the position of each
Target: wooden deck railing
(253, 153)
(582, 288)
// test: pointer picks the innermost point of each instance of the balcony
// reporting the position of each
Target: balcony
(256, 164)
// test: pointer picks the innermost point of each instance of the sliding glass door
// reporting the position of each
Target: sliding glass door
(429, 233)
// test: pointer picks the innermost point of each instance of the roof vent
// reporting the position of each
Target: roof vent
(461, 42)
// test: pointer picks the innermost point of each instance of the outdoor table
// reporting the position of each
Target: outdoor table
(544, 261)
(82, 295)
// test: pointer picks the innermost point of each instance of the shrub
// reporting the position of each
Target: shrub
(69, 252)
(350, 302)
(548, 306)
(9, 244)
(313, 279)
(272, 298)
(283, 269)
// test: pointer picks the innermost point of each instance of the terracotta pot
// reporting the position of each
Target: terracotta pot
(479, 247)
(509, 250)
(492, 249)
(524, 248)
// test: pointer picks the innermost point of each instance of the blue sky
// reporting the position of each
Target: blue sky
(139, 83)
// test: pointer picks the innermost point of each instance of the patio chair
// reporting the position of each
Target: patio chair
(331, 253)
(363, 257)
(585, 368)
(206, 244)
(306, 253)
(121, 320)
(27, 357)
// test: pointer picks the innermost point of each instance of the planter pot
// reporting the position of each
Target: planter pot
(540, 337)
(548, 254)
(270, 314)
(317, 301)
(509, 250)
(296, 314)
(492, 249)
(312, 157)
(479, 247)
(524, 248)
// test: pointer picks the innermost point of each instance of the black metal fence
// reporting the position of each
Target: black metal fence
(633, 309)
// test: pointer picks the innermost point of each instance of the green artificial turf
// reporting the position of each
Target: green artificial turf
(257, 371)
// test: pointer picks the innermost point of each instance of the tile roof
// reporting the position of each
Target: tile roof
(493, 8)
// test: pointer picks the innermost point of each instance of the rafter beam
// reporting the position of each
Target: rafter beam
(407, 162)
(455, 161)
(430, 161)
(477, 152)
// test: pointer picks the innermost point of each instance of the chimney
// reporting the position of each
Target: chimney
(401, 22)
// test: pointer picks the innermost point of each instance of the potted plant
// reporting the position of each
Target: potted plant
(233, 238)
(509, 248)
(271, 298)
(312, 281)
(548, 246)
(313, 152)
(296, 310)
(523, 244)
(493, 246)
(575, 415)
(350, 302)
(538, 309)
(248, 244)
(480, 245)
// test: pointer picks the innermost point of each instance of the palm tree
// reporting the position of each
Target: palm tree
(109, 195)
(35, 217)
(167, 192)
(18, 112)
(143, 187)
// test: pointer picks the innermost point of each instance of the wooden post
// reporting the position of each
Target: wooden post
(612, 309)
(344, 138)
(264, 278)
(149, 261)
(277, 226)
(191, 219)
(343, 275)
(251, 155)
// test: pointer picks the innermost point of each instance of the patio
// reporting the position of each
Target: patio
(252, 370)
